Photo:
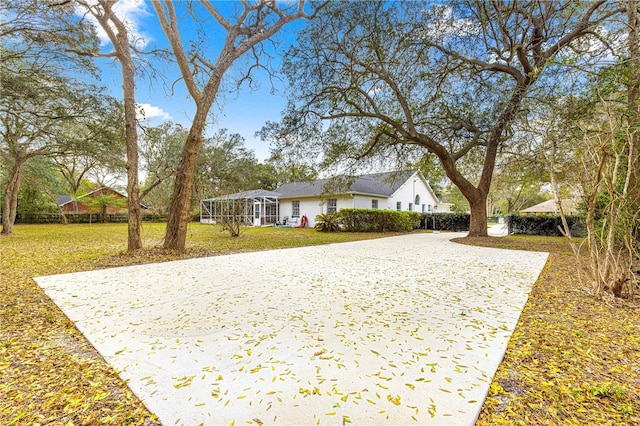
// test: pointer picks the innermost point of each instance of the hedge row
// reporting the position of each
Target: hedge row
(79, 218)
(544, 225)
(457, 222)
(374, 220)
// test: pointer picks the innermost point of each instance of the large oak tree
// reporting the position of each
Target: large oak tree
(40, 115)
(37, 102)
(374, 77)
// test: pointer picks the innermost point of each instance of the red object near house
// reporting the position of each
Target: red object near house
(303, 222)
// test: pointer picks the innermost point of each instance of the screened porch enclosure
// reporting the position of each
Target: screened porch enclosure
(251, 208)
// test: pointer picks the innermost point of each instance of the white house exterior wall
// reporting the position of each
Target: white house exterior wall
(311, 207)
(342, 202)
(407, 194)
(364, 201)
(444, 207)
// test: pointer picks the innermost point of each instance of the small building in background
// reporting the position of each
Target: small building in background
(84, 203)
(551, 207)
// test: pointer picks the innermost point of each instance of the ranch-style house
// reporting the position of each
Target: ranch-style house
(289, 203)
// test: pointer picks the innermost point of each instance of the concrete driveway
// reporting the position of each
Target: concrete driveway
(401, 330)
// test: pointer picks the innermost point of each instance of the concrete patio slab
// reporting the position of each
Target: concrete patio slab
(498, 230)
(400, 330)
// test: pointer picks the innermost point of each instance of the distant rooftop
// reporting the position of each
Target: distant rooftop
(550, 206)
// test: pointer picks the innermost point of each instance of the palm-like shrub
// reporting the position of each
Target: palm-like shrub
(327, 222)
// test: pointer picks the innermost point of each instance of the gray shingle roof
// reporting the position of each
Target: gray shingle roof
(63, 199)
(550, 206)
(382, 184)
(253, 193)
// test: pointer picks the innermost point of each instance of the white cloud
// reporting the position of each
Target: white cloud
(442, 24)
(147, 112)
(130, 12)
(606, 46)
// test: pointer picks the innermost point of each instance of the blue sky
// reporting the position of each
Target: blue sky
(244, 111)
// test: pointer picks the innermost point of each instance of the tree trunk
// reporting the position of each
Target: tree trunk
(117, 31)
(477, 205)
(54, 199)
(551, 168)
(134, 241)
(175, 237)
(239, 39)
(476, 197)
(180, 208)
(11, 199)
(478, 223)
(633, 102)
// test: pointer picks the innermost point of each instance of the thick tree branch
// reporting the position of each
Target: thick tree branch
(169, 24)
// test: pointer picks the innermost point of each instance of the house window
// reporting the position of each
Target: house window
(423, 207)
(332, 205)
(429, 207)
(410, 207)
(295, 208)
(399, 205)
(417, 200)
(374, 204)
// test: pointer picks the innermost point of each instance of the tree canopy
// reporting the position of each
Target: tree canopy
(45, 114)
(389, 79)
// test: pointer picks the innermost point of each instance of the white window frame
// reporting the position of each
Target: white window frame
(332, 205)
(295, 208)
(374, 204)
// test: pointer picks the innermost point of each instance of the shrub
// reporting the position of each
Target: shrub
(445, 221)
(374, 220)
(544, 225)
(327, 222)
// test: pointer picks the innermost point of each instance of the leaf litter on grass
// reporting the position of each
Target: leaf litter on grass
(49, 373)
(572, 359)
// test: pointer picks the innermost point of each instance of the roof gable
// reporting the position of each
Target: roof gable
(66, 199)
